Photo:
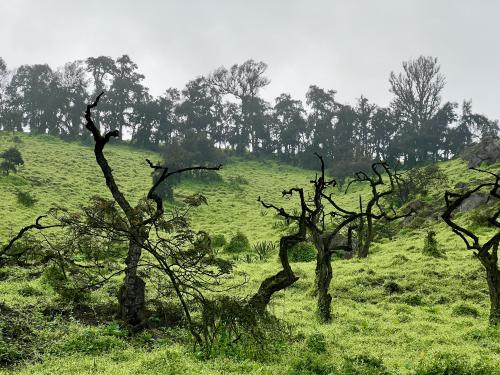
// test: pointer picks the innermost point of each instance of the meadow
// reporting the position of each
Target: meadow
(396, 312)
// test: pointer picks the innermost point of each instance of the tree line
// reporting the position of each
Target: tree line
(224, 110)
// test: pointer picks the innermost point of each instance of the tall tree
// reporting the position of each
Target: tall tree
(73, 87)
(290, 126)
(417, 98)
(322, 111)
(244, 82)
(125, 92)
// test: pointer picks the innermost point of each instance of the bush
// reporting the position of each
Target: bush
(238, 244)
(25, 198)
(312, 364)
(302, 252)
(12, 159)
(419, 181)
(90, 341)
(452, 364)
(431, 247)
(264, 249)
(363, 365)
(218, 240)
(465, 310)
(63, 286)
(316, 343)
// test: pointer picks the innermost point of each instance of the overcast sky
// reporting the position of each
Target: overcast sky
(349, 46)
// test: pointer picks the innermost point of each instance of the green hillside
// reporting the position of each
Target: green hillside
(397, 312)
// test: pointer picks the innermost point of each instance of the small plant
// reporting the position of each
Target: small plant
(25, 198)
(465, 310)
(238, 244)
(316, 343)
(218, 240)
(302, 252)
(431, 247)
(264, 249)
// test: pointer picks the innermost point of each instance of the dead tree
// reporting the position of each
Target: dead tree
(486, 252)
(374, 209)
(285, 277)
(330, 228)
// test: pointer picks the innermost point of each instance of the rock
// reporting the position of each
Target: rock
(474, 201)
(487, 150)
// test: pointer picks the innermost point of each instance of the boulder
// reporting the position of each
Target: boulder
(474, 201)
(487, 150)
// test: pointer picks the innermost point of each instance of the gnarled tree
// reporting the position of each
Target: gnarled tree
(375, 210)
(144, 227)
(485, 251)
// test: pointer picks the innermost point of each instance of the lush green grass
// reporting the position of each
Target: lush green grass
(397, 309)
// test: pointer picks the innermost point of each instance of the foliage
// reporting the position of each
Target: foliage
(12, 159)
(450, 363)
(218, 240)
(264, 249)
(238, 244)
(431, 246)
(419, 181)
(231, 328)
(302, 252)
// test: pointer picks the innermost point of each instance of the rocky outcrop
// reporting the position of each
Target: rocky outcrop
(488, 150)
(474, 201)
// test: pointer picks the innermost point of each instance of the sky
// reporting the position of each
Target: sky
(349, 46)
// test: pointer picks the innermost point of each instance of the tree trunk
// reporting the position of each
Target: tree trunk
(323, 278)
(493, 279)
(367, 233)
(283, 279)
(132, 292)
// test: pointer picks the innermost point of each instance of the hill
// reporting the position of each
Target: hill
(398, 311)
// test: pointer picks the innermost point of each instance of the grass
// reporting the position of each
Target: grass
(398, 311)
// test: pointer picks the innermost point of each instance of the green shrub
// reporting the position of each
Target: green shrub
(363, 365)
(412, 299)
(25, 198)
(238, 244)
(465, 310)
(218, 240)
(431, 247)
(302, 252)
(9, 353)
(90, 341)
(452, 364)
(312, 364)
(316, 343)
(63, 286)
(264, 249)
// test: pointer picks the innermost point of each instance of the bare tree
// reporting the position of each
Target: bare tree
(375, 210)
(485, 251)
(417, 89)
(330, 228)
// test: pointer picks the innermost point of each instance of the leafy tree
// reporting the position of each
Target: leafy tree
(290, 126)
(12, 159)
(244, 82)
(323, 109)
(34, 93)
(73, 87)
(417, 97)
(125, 92)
